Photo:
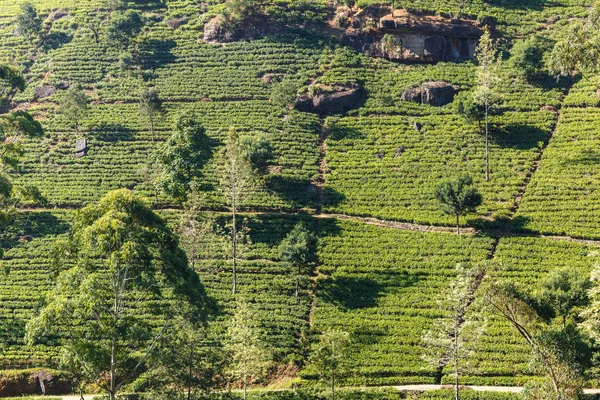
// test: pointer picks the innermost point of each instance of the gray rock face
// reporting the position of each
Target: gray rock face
(41, 92)
(338, 100)
(81, 148)
(215, 31)
(437, 93)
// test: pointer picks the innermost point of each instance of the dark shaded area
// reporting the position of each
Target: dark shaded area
(154, 54)
(345, 132)
(110, 132)
(27, 225)
(351, 292)
(518, 136)
(519, 223)
(301, 193)
(54, 40)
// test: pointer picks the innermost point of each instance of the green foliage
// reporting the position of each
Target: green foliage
(458, 197)
(29, 24)
(565, 292)
(182, 156)
(118, 251)
(124, 27)
(285, 92)
(465, 106)
(257, 149)
(74, 106)
(249, 360)
(527, 56)
(329, 355)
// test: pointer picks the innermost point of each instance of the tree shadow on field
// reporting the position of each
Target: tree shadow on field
(111, 132)
(351, 292)
(338, 132)
(54, 40)
(518, 136)
(154, 54)
(302, 193)
(28, 225)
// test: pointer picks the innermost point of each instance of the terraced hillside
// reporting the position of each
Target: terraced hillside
(386, 250)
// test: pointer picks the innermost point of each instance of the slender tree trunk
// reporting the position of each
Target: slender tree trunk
(152, 127)
(333, 384)
(456, 356)
(234, 245)
(457, 224)
(190, 373)
(245, 370)
(113, 348)
(298, 280)
(487, 141)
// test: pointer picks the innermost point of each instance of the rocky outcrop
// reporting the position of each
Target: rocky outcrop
(220, 30)
(335, 99)
(28, 382)
(418, 39)
(437, 93)
(41, 92)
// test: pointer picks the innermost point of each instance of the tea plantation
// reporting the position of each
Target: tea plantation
(362, 181)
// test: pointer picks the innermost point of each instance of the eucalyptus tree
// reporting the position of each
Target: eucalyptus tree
(297, 250)
(150, 107)
(329, 356)
(487, 82)
(121, 263)
(74, 106)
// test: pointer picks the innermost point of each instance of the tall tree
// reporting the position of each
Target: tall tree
(453, 338)
(182, 157)
(150, 107)
(120, 254)
(73, 105)
(29, 24)
(249, 357)
(564, 291)
(458, 197)
(185, 364)
(487, 81)
(560, 353)
(579, 50)
(11, 81)
(329, 355)
(297, 250)
(124, 27)
(243, 159)
(193, 231)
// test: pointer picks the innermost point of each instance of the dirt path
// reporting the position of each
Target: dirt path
(503, 389)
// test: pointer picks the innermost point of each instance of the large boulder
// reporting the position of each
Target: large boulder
(336, 99)
(216, 30)
(437, 93)
(41, 92)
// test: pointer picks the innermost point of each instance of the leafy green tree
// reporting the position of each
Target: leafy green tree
(185, 363)
(124, 27)
(12, 81)
(579, 50)
(29, 24)
(285, 92)
(560, 353)
(453, 339)
(182, 156)
(458, 197)
(564, 291)
(485, 94)
(248, 355)
(243, 160)
(150, 107)
(527, 57)
(465, 107)
(297, 250)
(73, 105)
(119, 254)
(193, 231)
(329, 355)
